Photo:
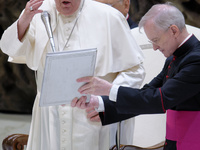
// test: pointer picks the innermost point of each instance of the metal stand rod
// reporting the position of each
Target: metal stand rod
(118, 135)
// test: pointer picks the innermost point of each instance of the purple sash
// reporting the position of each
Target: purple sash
(184, 127)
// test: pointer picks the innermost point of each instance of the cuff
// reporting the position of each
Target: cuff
(113, 93)
(101, 107)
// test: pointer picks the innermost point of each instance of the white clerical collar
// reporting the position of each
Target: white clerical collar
(185, 39)
(127, 16)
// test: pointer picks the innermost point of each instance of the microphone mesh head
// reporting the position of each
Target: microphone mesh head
(45, 14)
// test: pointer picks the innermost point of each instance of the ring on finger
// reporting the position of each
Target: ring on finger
(31, 8)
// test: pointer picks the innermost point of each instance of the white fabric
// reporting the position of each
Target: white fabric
(99, 26)
(149, 130)
(101, 107)
(194, 30)
(127, 126)
(134, 80)
(113, 93)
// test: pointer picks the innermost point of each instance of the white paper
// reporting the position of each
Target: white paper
(59, 84)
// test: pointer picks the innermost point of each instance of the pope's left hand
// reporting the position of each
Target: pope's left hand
(92, 114)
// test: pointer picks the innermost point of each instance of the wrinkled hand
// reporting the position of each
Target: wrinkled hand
(32, 8)
(92, 114)
(95, 86)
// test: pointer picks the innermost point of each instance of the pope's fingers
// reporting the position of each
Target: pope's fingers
(33, 2)
(74, 101)
(37, 5)
(92, 113)
(33, 5)
(95, 118)
(89, 109)
(81, 103)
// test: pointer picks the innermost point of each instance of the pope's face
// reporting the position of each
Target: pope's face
(67, 7)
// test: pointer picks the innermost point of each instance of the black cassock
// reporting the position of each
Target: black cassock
(177, 87)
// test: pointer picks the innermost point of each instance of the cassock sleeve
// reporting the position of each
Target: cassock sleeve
(154, 99)
(111, 115)
(184, 86)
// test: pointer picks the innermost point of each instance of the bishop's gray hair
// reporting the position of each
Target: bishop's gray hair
(164, 15)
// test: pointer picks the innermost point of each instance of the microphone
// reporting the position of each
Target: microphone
(46, 20)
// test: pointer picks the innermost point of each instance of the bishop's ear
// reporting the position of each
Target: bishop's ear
(174, 30)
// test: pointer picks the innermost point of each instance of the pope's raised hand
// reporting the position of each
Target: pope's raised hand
(32, 8)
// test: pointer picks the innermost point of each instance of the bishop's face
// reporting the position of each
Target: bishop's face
(67, 7)
(163, 40)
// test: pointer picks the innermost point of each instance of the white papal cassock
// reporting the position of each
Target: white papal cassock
(119, 59)
(149, 130)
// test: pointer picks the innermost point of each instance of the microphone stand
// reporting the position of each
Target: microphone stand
(118, 135)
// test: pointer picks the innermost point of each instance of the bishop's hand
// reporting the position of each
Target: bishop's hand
(95, 86)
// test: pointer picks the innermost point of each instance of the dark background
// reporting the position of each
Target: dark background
(17, 82)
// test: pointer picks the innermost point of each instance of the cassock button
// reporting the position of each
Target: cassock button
(63, 113)
(64, 130)
(63, 140)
